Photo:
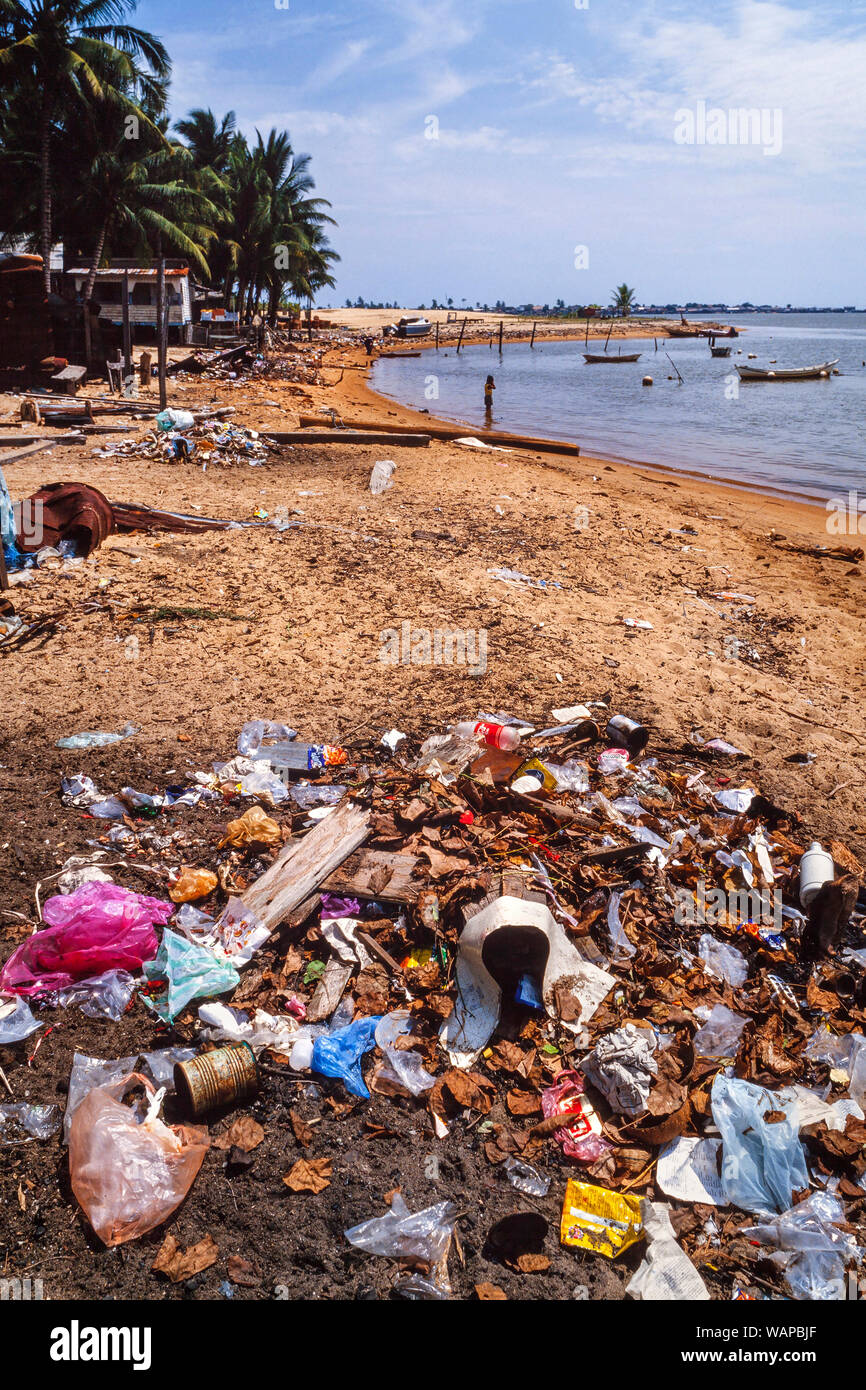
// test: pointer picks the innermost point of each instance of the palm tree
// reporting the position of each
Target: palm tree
(623, 299)
(76, 52)
(209, 141)
(145, 200)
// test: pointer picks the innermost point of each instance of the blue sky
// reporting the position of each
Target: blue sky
(555, 130)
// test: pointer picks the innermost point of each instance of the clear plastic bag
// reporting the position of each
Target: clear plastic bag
(847, 1052)
(130, 1171)
(99, 927)
(762, 1162)
(106, 996)
(725, 962)
(16, 1020)
(720, 1036)
(422, 1235)
(21, 1123)
(406, 1068)
(258, 731)
(810, 1247)
(339, 1052)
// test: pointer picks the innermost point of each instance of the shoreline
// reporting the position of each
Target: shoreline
(362, 397)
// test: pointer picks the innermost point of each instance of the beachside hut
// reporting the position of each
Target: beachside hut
(108, 293)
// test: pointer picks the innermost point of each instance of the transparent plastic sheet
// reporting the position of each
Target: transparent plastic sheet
(16, 1020)
(622, 947)
(406, 1068)
(191, 972)
(253, 777)
(762, 1163)
(21, 1123)
(258, 731)
(810, 1247)
(96, 738)
(97, 928)
(525, 1178)
(847, 1052)
(338, 1053)
(721, 1032)
(129, 1171)
(105, 996)
(88, 1072)
(422, 1235)
(723, 961)
(572, 776)
(622, 1067)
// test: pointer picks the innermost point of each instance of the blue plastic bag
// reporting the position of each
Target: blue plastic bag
(762, 1164)
(339, 1053)
(192, 972)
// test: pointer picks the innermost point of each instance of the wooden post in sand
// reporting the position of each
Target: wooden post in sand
(437, 335)
(127, 331)
(462, 331)
(144, 362)
(161, 331)
(501, 321)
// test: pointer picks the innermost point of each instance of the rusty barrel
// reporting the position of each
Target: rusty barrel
(226, 1076)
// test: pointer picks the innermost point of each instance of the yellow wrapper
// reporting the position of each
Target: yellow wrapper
(594, 1218)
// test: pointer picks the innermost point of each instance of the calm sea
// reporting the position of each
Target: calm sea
(800, 438)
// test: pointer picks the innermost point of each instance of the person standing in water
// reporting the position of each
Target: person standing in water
(489, 388)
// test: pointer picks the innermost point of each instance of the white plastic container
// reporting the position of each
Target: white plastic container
(816, 869)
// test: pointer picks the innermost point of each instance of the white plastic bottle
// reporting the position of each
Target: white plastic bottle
(816, 869)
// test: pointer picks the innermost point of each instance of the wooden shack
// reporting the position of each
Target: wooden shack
(25, 325)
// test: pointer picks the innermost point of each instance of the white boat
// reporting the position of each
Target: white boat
(823, 369)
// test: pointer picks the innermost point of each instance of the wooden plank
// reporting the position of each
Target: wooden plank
(25, 453)
(373, 873)
(304, 864)
(397, 441)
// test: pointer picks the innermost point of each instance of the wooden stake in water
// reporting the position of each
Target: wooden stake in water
(675, 367)
(532, 339)
(462, 331)
(501, 325)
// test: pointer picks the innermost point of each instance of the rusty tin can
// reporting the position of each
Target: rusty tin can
(226, 1076)
(625, 733)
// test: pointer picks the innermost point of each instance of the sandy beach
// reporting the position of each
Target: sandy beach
(778, 672)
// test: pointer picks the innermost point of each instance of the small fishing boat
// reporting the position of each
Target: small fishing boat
(611, 356)
(823, 369)
(720, 351)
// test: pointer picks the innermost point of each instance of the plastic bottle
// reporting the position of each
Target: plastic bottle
(305, 757)
(494, 735)
(816, 869)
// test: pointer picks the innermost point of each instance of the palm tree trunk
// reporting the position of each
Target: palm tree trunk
(94, 264)
(45, 170)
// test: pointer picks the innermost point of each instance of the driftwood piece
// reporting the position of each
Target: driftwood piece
(304, 864)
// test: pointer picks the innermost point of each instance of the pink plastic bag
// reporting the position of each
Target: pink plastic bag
(129, 1172)
(581, 1135)
(99, 927)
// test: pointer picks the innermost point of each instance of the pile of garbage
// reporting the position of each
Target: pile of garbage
(180, 437)
(629, 979)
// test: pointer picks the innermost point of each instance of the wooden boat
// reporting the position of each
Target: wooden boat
(823, 369)
(720, 351)
(611, 356)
